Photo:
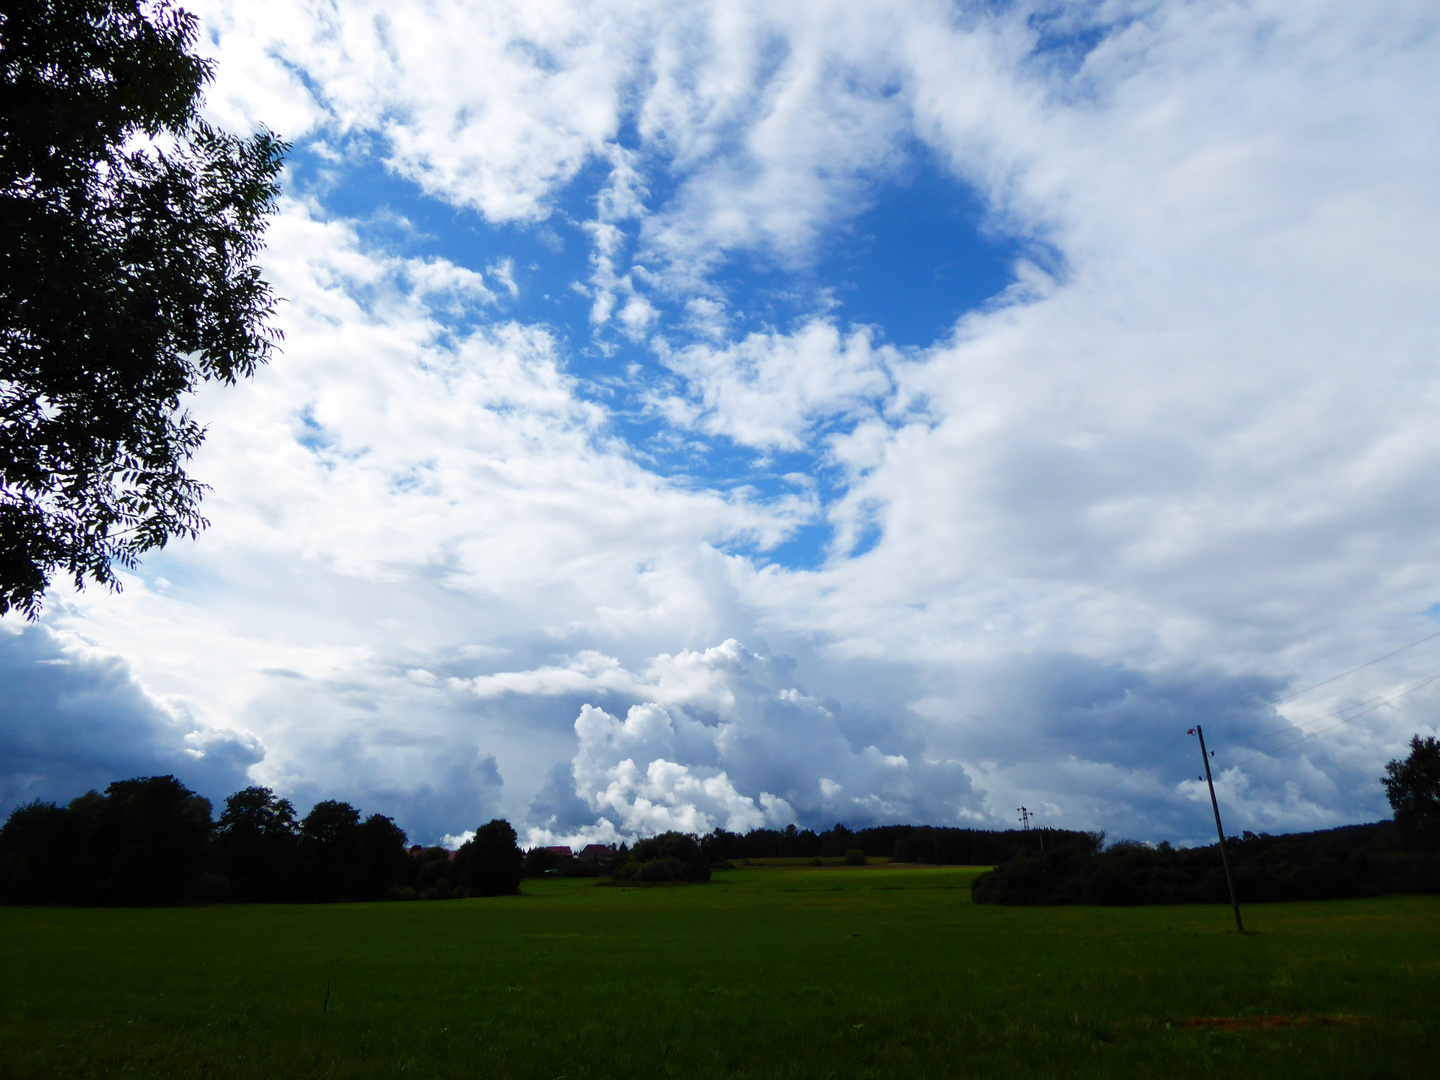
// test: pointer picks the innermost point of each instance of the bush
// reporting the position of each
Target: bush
(539, 861)
(855, 857)
(671, 856)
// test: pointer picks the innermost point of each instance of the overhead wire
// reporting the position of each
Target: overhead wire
(1362, 667)
(1378, 701)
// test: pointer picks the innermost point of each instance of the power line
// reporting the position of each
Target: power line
(1134, 769)
(1294, 724)
(1326, 682)
(1362, 667)
(1380, 703)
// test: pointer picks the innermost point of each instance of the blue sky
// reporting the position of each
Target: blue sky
(720, 415)
(913, 254)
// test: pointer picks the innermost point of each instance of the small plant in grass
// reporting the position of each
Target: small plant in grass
(855, 857)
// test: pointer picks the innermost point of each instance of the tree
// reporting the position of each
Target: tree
(490, 863)
(383, 859)
(146, 841)
(541, 860)
(330, 844)
(259, 844)
(128, 233)
(36, 845)
(1413, 788)
(670, 856)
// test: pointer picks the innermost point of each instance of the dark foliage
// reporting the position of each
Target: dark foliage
(428, 875)
(331, 851)
(151, 841)
(671, 856)
(490, 864)
(1413, 788)
(903, 843)
(258, 846)
(344, 858)
(144, 841)
(38, 845)
(1354, 861)
(127, 279)
(540, 861)
(383, 858)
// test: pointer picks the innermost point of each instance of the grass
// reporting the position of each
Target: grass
(776, 972)
(818, 860)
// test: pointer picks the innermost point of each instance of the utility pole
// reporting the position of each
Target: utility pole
(1219, 831)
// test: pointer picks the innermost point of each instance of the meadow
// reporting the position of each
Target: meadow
(781, 971)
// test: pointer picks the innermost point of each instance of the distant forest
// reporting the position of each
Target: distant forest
(1332, 864)
(152, 840)
(902, 843)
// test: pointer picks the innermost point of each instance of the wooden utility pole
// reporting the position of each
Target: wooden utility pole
(1219, 830)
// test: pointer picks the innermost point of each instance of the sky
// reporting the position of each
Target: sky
(740, 414)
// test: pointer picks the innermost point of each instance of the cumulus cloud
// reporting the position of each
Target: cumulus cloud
(724, 739)
(661, 794)
(1182, 466)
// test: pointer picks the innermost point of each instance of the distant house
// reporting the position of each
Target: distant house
(597, 853)
(560, 850)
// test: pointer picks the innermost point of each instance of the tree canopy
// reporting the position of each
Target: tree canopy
(490, 863)
(129, 230)
(670, 856)
(151, 840)
(1413, 788)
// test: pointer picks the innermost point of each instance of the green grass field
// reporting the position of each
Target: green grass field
(774, 972)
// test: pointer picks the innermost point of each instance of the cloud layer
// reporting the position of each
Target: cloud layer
(468, 557)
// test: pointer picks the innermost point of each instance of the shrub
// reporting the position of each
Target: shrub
(855, 857)
(671, 856)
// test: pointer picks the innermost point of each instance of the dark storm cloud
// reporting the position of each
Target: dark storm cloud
(70, 722)
(1107, 746)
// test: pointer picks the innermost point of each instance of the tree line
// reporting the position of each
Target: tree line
(1399, 856)
(902, 843)
(1332, 864)
(153, 841)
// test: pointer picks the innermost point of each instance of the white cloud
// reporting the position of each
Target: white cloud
(657, 794)
(1198, 447)
(717, 740)
(770, 390)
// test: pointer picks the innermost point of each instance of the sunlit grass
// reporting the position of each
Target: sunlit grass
(805, 972)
